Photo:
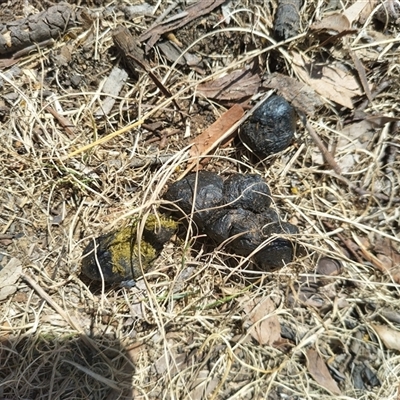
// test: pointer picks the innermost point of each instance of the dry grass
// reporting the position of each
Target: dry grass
(181, 332)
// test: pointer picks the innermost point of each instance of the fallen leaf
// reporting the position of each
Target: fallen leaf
(299, 94)
(385, 251)
(336, 84)
(389, 336)
(263, 328)
(387, 268)
(335, 22)
(9, 276)
(319, 371)
(234, 86)
(359, 10)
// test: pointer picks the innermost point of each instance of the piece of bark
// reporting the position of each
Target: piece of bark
(172, 52)
(37, 28)
(177, 21)
(287, 20)
(112, 87)
(129, 47)
(215, 134)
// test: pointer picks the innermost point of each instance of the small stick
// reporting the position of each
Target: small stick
(325, 153)
(347, 243)
(64, 122)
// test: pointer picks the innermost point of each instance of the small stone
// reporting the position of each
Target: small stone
(329, 266)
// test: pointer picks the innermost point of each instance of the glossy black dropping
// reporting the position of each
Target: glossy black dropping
(271, 127)
(236, 213)
(205, 188)
(249, 192)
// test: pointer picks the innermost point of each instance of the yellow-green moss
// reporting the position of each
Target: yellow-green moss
(121, 256)
(125, 252)
(154, 222)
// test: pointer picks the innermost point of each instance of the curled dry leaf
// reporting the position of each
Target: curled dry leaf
(319, 371)
(389, 336)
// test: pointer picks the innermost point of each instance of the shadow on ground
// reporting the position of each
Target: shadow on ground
(55, 367)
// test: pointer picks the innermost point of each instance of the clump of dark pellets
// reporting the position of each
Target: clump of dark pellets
(271, 127)
(236, 213)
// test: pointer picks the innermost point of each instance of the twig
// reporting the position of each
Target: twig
(64, 122)
(325, 153)
(346, 242)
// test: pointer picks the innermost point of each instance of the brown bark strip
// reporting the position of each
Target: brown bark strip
(216, 133)
(198, 9)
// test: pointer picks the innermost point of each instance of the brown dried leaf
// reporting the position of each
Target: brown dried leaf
(389, 336)
(384, 248)
(9, 276)
(234, 86)
(300, 95)
(334, 83)
(266, 330)
(334, 22)
(359, 10)
(393, 270)
(319, 371)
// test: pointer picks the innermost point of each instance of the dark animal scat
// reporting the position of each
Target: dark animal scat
(249, 192)
(236, 213)
(120, 255)
(271, 128)
(206, 190)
